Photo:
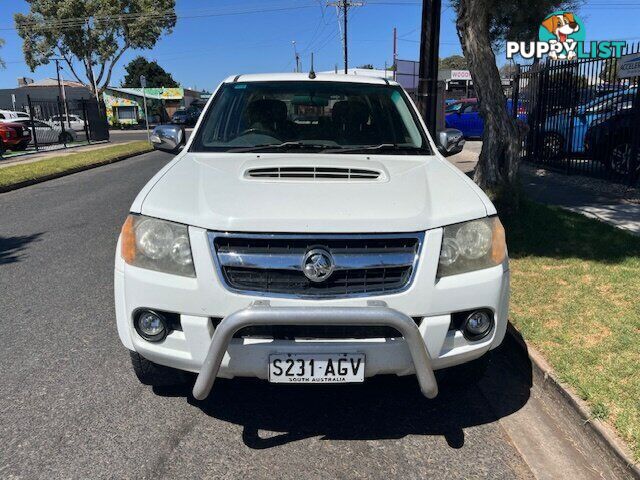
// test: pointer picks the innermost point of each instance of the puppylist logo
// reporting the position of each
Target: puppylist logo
(562, 37)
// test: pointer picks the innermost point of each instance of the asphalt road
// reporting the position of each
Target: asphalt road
(72, 408)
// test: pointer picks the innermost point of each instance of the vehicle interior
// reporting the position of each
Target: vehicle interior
(327, 114)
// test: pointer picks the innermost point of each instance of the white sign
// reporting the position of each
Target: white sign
(629, 65)
(460, 75)
(143, 81)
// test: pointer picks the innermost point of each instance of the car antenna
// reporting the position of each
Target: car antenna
(312, 74)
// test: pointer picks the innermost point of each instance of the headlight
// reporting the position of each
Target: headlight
(472, 246)
(157, 245)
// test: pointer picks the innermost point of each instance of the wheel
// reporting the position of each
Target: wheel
(65, 137)
(21, 146)
(619, 158)
(466, 374)
(150, 373)
(552, 145)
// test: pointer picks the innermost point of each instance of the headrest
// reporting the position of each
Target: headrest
(352, 112)
(267, 110)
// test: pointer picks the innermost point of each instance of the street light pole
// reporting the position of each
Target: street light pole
(296, 56)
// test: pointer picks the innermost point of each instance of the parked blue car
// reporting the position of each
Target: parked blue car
(464, 115)
(566, 132)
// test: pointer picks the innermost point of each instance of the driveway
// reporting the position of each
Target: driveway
(615, 204)
(466, 160)
(72, 408)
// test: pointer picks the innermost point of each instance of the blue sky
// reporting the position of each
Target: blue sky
(203, 49)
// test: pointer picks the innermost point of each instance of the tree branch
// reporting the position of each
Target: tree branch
(68, 62)
(113, 63)
(101, 73)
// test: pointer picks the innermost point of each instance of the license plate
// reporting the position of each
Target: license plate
(316, 368)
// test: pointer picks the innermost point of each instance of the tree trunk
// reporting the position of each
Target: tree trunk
(497, 167)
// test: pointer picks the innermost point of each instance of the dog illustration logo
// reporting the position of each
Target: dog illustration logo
(563, 31)
(561, 36)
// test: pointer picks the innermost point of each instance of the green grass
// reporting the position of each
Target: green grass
(576, 299)
(69, 161)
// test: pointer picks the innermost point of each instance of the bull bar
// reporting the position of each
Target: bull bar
(262, 313)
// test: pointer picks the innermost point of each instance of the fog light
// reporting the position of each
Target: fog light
(151, 326)
(477, 325)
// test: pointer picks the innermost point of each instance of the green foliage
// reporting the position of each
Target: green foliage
(156, 75)
(507, 70)
(367, 66)
(1, 62)
(517, 21)
(93, 33)
(454, 62)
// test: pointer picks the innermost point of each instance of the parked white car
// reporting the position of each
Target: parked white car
(327, 249)
(73, 122)
(47, 133)
(12, 115)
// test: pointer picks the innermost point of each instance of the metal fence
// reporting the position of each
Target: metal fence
(581, 117)
(50, 125)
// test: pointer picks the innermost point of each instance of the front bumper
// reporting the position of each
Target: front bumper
(428, 303)
(261, 313)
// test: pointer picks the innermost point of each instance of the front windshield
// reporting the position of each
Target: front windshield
(312, 115)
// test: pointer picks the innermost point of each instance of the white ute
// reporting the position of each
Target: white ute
(309, 232)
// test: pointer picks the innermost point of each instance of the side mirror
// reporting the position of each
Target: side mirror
(449, 141)
(168, 138)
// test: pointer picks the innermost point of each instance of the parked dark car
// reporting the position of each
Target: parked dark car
(187, 117)
(610, 140)
(13, 136)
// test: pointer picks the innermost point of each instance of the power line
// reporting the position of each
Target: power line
(80, 22)
(345, 5)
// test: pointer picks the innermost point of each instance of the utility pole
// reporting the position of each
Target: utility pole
(428, 73)
(344, 5)
(61, 90)
(296, 56)
(143, 84)
(57, 60)
(395, 51)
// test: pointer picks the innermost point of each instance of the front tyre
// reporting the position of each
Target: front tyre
(619, 159)
(65, 137)
(150, 373)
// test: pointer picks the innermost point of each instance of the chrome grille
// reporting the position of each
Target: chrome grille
(271, 264)
(317, 173)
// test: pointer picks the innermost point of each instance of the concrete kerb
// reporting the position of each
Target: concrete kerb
(598, 431)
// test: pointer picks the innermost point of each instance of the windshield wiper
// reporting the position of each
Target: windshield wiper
(382, 147)
(277, 146)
